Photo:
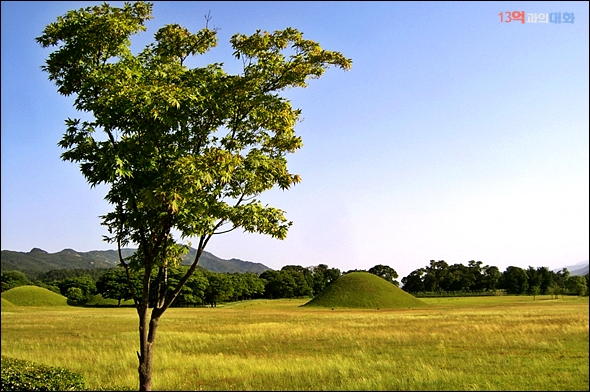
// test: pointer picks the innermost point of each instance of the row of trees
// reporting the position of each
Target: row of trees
(208, 288)
(535, 281)
(202, 288)
(439, 276)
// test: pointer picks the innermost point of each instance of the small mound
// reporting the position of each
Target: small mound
(6, 304)
(364, 290)
(34, 296)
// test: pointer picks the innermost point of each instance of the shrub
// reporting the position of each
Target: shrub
(19, 375)
(75, 295)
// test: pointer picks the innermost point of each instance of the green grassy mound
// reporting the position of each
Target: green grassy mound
(7, 304)
(34, 296)
(364, 290)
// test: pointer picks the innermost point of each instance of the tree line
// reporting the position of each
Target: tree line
(209, 288)
(202, 288)
(440, 277)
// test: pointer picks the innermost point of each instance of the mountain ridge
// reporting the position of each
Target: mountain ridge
(580, 268)
(38, 261)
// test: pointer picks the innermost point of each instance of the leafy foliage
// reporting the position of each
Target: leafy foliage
(576, 285)
(183, 149)
(289, 282)
(20, 375)
(442, 277)
(385, 272)
(12, 279)
(79, 289)
(115, 285)
(515, 280)
(439, 278)
(323, 276)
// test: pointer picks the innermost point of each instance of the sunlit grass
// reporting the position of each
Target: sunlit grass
(491, 343)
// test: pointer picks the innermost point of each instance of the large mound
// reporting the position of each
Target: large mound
(364, 290)
(34, 296)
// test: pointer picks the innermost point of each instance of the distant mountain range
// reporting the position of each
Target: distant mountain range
(38, 261)
(581, 268)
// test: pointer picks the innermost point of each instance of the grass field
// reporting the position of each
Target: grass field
(485, 343)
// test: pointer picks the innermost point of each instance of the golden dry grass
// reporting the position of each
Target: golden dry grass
(507, 343)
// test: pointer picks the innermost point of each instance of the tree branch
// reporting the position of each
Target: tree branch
(128, 274)
(225, 231)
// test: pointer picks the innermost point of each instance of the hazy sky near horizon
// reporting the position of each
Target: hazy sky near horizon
(454, 137)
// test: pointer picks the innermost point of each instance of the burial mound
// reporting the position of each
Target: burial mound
(366, 291)
(34, 296)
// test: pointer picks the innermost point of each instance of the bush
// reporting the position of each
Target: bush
(75, 295)
(19, 375)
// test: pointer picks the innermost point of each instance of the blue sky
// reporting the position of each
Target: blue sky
(454, 137)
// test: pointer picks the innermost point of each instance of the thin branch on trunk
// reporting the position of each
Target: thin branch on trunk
(127, 274)
(225, 231)
(201, 247)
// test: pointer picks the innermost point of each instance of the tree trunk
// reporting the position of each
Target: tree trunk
(147, 337)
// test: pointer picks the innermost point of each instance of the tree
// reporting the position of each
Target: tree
(272, 288)
(534, 281)
(331, 274)
(239, 287)
(534, 291)
(252, 285)
(291, 281)
(185, 150)
(219, 288)
(193, 292)
(555, 290)
(76, 295)
(560, 278)
(515, 280)
(319, 278)
(322, 277)
(459, 278)
(303, 280)
(491, 277)
(385, 272)
(114, 285)
(576, 284)
(12, 279)
(414, 283)
(477, 273)
(436, 278)
(85, 283)
(546, 277)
